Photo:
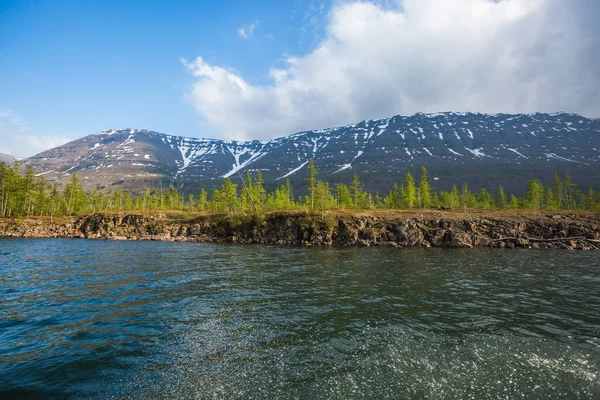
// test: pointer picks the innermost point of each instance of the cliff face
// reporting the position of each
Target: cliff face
(562, 231)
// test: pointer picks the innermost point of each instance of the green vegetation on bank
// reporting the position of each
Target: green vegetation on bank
(25, 194)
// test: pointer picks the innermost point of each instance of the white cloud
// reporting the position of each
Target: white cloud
(11, 120)
(247, 31)
(417, 56)
(16, 140)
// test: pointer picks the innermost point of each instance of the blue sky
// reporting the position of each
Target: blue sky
(71, 68)
(261, 69)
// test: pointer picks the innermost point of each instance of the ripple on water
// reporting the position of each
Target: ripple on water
(178, 320)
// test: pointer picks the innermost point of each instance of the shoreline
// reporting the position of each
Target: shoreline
(400, 229)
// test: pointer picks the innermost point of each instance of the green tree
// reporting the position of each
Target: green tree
(424, 189)
(547, 197)
(465, 197)
(409, 192)
(41, 197)
(259, 188)
(280, 199)
(55, 200)
(29, 192)
(175, 201)
(501, 199)
(290, 194)
(247, 201)
(312, 181)
(589, 200)
(454, 197)
(74, 196)
(485, 199)
(394, 197)
(228, 195)
(569, 188)
(202, 200)
(533, 198)
(324, 200)
(557, 191)
(356, 191)
(344, 197)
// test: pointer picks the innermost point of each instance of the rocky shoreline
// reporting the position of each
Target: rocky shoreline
(576, 231)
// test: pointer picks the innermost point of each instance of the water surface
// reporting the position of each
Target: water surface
(102, 319)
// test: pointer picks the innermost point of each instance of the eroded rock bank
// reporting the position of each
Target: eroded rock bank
(432, 229)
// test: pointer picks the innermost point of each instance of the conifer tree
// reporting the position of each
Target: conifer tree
(501, 199)
(202, 200)
(356, 191)
(290, 195)
(312, 181)
(246, 199)
(392, 200)
(128, 202)
(547, 197)
(55, 200)
(485, 199)
(569, 191)
(465, 197)
(454, 197)
(587, 201)
(259, 188)
(557, 190)
(29, 191)
(191, 202)
(424, 189)
(75, 197)
(344, 197)
(228, 195)
(409, 193)
(174, 198)
(533, 198)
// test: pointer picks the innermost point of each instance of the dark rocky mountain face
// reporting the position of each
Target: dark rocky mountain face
(7, 158)
(483, 150)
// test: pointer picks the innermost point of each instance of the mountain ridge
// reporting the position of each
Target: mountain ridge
(7, 158)
(382, 150)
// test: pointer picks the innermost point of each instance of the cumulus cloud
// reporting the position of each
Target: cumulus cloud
(17, 140)
(247, 31)
(417, 56)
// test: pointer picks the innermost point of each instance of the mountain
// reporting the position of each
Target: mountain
(7, 158)
(482, 149)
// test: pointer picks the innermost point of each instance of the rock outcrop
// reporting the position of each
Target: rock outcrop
(561, 231)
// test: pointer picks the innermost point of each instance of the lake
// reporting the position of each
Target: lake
(107, 319)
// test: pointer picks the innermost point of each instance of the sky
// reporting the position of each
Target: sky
(243, 70)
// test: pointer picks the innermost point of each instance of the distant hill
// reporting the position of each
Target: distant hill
(482, 149)
(7, 158)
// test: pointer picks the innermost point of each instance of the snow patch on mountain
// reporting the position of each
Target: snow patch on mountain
(552, 155)
(477, 152)
(349, 165)
(293, 171)
(515, 151)
(237, 152)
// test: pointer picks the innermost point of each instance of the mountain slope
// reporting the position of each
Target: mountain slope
(7, 158)
(485, 150)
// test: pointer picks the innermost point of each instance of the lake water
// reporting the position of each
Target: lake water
(103, 319)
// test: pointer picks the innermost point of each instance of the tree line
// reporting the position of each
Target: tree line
(22, 193)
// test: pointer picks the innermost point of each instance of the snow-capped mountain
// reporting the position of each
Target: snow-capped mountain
(484, 150)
